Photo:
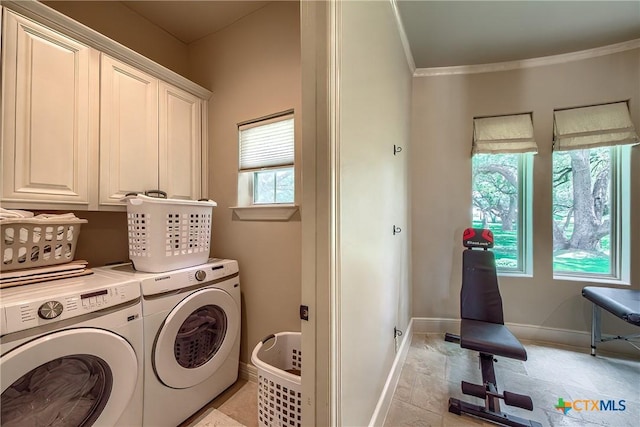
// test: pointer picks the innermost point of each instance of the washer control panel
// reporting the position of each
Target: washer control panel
(34, 311)
(50, 310)
(201, 275)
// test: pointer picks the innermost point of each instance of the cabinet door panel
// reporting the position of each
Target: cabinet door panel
(180, 143)
(47, 105)
(128, 131)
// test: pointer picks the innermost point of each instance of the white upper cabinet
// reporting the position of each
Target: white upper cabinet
(86, 120)
(150, 136)
(49, 115)
(180, 143)
(128, 131)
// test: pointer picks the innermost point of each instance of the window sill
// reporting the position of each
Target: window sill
(586, 279)
(514, 274)
(265, 212)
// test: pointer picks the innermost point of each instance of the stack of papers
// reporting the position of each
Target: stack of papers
(44, 274)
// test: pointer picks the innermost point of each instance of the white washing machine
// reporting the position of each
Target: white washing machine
(191, 337)
(71, 353)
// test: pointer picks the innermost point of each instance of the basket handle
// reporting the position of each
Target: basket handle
(267, 338)
(270, 337)
(158, 194)
(131, 193)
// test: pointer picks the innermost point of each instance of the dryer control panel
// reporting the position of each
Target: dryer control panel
(208, 273)
(34, 310)
(159, 283)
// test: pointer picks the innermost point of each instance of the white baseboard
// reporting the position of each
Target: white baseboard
(384, 402)
(248, 372)
(552, 335)
(579, 340)
(435, 325)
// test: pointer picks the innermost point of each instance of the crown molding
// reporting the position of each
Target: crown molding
(528, 63)
(63, 24)
(403, 37)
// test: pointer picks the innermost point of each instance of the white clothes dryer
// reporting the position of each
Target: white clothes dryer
(191, 337)
(71, 353)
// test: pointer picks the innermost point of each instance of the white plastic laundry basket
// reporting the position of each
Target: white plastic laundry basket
(279, 362)
(34, 242)
(167, 234)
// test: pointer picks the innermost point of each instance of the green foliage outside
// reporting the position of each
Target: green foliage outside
(594, 260)
(505, 248)
(495, 205)
(574, 260)
(506, 253)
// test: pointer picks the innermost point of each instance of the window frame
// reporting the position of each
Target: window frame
(246, 208)
(274, 171)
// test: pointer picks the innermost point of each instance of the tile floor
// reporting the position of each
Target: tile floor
(237, 406)
(434, 368)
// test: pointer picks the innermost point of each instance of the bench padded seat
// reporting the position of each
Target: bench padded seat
(623, 303)
(491, 338)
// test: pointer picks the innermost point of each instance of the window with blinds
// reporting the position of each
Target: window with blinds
(592, 190)
(504, 134)
(266, 173)
(502, 187)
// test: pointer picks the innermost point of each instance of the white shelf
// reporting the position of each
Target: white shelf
(265, 212)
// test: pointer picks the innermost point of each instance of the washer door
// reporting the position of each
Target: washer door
(196, 338)
(77, 377)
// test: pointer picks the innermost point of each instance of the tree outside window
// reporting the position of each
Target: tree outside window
(503, 148)
(582, 211)
(496, 205)
(591, 190)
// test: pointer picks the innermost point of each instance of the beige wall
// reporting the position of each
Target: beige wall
(253, 69)
(374, 283)
(442, 115)
(103, 240)
(116, 21)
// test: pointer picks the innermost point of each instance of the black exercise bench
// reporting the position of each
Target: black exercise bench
(622, 303)
(482, 329)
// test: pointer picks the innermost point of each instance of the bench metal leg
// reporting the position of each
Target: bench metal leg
(596, 332)
(489, 392)
(489, 380)
(452, 338)
(459, 407)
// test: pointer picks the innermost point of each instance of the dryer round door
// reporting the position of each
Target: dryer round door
(196, 338)
(76, 377)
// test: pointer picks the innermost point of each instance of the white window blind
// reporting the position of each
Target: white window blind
(267, 143)
(504, 134)
(595, 126)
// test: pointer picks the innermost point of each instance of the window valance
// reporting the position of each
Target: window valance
(595, 126)
(504, 134)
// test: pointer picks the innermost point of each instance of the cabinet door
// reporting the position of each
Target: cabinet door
(128, 131)
(180, 143)
(49, 95)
